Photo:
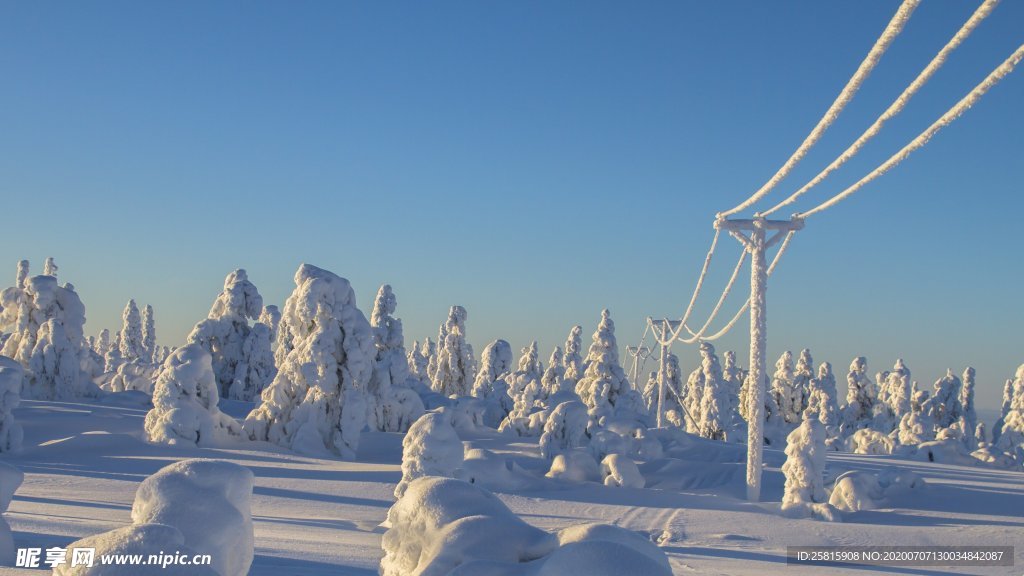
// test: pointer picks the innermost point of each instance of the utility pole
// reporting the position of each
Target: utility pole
(639, 353)
(756, 242)
(666, 326)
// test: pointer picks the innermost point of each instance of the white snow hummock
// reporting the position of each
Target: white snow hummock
(135, 539)
(430, 448)
(209, 502)
(619, 470)
(10, 479)
(862, 490)
(317, 403)
(185, 403)
(11, 375)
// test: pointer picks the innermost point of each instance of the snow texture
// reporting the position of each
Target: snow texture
(10, 479)
(575, 465)
(135, 539)
(11, 376)
(185, 403)
(209, 501)
(317, 403)
(430, 448)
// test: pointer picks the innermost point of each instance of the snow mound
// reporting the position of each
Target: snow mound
(949, 451)
(633, 554)
(430, 448)
(493, 471)
(576, 465)
(566, 428)
(869, 441)
(859, 490)
(619, 470)
(441, 523)
(10, 479)
(208, 501)
(143, 539)
(674, 474)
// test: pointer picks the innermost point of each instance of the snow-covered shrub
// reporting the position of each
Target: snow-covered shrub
(869, 441)
(466, 412)
(224, 331)
(604, 381)
(256, 369)
(185, 403)
(10, 479)
(860, 396)
(804, 492)
(860, 490)
(456, 365)
(997, 427)
(317, 401)
(565, 429)
(945, 451)
(555, 388)
(142, 540)
(491, 384)
(11, 375)
(394, 404)
(430, 448)
(803, 373)
(619, 470)
(209, 502)
(442, 523)
(575, 465)
(900, 389)
(573, 358)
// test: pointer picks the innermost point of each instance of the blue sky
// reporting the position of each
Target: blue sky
(532, 161)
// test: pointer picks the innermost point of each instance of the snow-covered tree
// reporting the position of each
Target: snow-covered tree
(802, 376)
(969, 415)
(604, 380)
(524, 386)
(419, 359)
(491, 384)
(945, 409)
(257, 367)
(900, 389)
(394, 405)
(49, 267)
(805, 465)
(185, 403)
(980, 435)
(456, 365)
(431, 448)
(131, 344)
(555, 388)
(224, 331)
(317, 402)
(148, 334)
(1004, 409)
(11, 376)
(734, 377)
(112, 359)
(1011, 437)
(573, 358)
(860, 396)
(567, 427)
(822, 399)
(782, 388)
(917, 425)
(432, 358)
(102, 343)
(715, 419)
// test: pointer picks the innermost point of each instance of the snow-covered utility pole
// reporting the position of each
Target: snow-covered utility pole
(757, 243)
(666, 327)
(639, 354)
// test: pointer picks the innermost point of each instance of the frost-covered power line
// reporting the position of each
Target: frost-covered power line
(946, 119)
(897, 106)
(881, 45)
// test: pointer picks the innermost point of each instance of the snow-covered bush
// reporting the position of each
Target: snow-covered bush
(395, 406)
(494, 472)
(430, 448)
(555, 388)
(619, 470)
(575, 465)
(185, 403)
(859, 490)
(804, 491)
(418, 358)
(604, 381)
(209, 502)
(134, 375)
(782, 388)
(604, 550)
(456, 365)
(224, 331)
(803, 373)
(11, 375)
(869, 441)
(10, 479)
(143, 540)
(566, 428)
(317, 401)
(860, 396)
(573, 358)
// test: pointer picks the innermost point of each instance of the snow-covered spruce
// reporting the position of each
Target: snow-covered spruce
(394, 406)
(11, 375)
(555, 388)
(456, 365)
(822, 400)
(418, 358)
(131, 344)
(804, 491)
(968, 415)
(917, 425)
(715, 420)
(524, 387)
(945, 409)
(860, 396)
(209, 501)
(491, 384)
(430, 448)
(567, 427)
(224, 331)
(257, 367)
(317, 402)
(803, 373)
(672, 407)
(1011, 437)
(734, 377)
(997, 427)
(10, 479)
(148, 334)
(782, 387)
(573, 358)
(185, 403)
(604, 387)
(900, 390)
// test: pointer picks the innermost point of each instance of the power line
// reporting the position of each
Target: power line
(881, 45)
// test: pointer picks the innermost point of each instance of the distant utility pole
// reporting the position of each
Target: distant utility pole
(639, 353)
(665, 327)
(756, 242)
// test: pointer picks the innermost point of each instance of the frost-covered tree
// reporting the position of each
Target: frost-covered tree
(555, 388)
(131, 344)
(805, 464)
(672, 406)
(317, 402)
(969, 415)
(394, 405)
(734, 377)
(944, 408)
(900, 389)
(491, 384)
(604, 381)
(11, 376)
(782, 388)
(112, 359)
(257, 367)
(419, 359)
(431, 448)
(1011, 437)
(148, 334)
(573, 358)
(917, 426)
(802, 376)
(822, 399)
(102, 344)
(224, 331)
(567, 427)
(524, 386)
(185, 403)
(456, 365)
(49, 267)
(980, 435)
(1004, 409)
(860, 396)
(432, 360)
(715, 419)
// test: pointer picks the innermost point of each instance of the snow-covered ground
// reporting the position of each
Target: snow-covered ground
(83, 462)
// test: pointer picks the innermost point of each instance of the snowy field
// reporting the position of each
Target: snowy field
(84, 460)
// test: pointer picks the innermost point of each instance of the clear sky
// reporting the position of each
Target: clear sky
(532, 161)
